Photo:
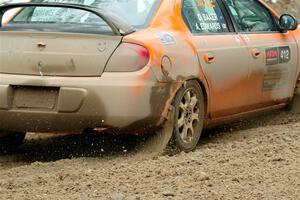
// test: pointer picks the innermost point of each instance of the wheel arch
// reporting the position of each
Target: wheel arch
(205, 94)
(204, 89)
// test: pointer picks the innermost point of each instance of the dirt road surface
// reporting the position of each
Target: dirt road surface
(254, 159)
(286, 6)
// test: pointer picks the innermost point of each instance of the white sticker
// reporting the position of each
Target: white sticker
(166, 38)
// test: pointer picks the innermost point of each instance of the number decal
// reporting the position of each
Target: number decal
(285, 54)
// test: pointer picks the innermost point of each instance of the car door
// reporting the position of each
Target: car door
(273, 57)
(223, 56)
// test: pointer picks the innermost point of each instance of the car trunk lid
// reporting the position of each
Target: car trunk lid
(56, 39)
(55, 54)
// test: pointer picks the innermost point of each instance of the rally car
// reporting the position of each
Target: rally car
(133, 65)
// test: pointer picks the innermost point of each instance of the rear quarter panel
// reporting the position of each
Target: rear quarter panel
(167, 37)
(173, 56)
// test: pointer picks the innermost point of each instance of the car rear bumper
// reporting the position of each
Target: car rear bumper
(125, 101)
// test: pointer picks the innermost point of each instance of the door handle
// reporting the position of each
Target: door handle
(256, 53)
(209, 58)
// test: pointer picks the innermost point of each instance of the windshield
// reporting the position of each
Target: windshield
(137, 13)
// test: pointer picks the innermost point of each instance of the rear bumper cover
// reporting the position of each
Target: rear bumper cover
(125, 101)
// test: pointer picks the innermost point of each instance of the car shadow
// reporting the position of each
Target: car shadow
(57, 147)
(267, 119)
(54, 148)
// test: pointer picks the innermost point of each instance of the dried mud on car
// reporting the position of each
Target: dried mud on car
(254, 159)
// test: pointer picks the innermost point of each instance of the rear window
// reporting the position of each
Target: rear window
(137, 13)
(57, 19)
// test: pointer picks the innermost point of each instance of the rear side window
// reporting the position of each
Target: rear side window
(204, 16)
(251, 16)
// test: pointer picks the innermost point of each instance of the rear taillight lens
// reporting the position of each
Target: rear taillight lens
(128, 57)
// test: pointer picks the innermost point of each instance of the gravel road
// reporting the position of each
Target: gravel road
(248, 160)
(253, 159)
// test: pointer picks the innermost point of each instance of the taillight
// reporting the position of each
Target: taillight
(128, 57)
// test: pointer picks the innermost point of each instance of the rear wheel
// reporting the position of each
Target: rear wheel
(11, 141)
(183, 128)
(188, 116)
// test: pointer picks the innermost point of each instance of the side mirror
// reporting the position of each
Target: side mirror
(288, 22)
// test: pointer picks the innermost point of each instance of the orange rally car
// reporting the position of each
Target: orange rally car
(133, 65)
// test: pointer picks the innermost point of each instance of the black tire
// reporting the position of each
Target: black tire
(188, 116)
(11, 141)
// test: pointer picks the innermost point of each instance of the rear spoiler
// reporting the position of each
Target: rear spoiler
(118, 26)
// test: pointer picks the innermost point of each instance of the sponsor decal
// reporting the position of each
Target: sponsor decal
(272, 56)
(166, 38)
(277, 75)
(278, 55)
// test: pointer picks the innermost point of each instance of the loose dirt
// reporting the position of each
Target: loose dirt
(253, 159)
(286, 6)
